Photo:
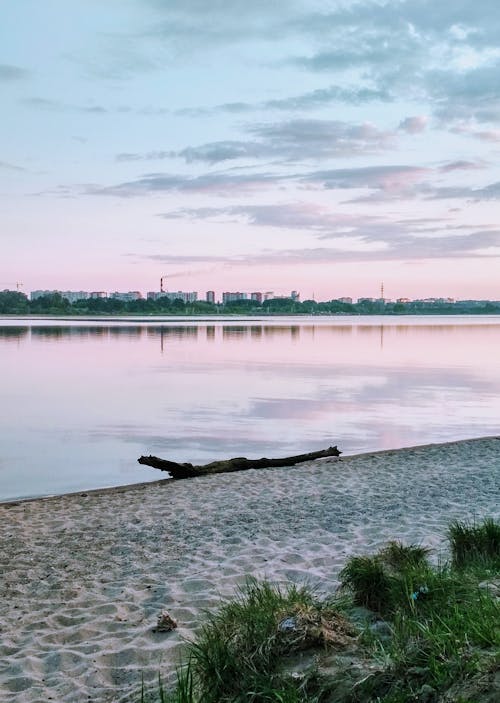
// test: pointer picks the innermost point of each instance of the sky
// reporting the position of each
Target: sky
(322, 147)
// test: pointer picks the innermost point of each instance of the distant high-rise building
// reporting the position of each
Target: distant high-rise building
(190, 297)
(295, 296)
(268, 295)
(74, 295)
(256, 296)
(98, 294)
(229, 297)
(210, 298)
(346, 300)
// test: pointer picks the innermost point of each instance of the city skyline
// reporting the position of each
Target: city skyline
(324, 146)
(231, 296)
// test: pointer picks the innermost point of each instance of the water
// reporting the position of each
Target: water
(82, 400)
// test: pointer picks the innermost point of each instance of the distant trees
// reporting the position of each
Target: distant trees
(13, 303)
(241, 307)
(52, 304)
(280, 306)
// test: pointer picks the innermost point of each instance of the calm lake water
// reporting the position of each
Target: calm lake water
(82, 400)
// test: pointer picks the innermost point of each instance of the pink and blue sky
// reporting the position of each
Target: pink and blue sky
(228, 145)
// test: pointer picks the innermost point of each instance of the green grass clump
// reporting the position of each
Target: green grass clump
(446, 630)
(390, 579)
(473, 544)
(369, 582)
(404, 557)
(237, 654)
(439, 641)
(451, 636)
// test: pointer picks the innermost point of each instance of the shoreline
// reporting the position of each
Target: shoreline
(11, 502)
(85, 575)
(222, 317)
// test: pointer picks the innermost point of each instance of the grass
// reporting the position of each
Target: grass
(388, 580)
(239, 648)
(446, 637)
(473, 544)
(444, 645)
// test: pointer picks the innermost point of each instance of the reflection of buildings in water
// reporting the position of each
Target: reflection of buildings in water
(235, 331)
(85, 332)
(281, 330)
(314, 331)
(258, 331)
(373, 330)
(13, 334)
(164, 333)
(177, 332)
(69, 333)
(134, 332)
(343, 329)
(318, 333)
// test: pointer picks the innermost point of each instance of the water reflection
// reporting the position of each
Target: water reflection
(233, 331)
(8, 334)
(105, 393)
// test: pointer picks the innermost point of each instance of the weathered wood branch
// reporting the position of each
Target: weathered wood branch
(237, 464)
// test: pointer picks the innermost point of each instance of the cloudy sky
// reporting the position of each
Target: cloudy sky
(273, 145)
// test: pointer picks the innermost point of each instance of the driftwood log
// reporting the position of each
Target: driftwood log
(237, 464)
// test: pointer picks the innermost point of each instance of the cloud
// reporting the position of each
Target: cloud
(58, 106)
(310, 100)
(301, 215)
(10, 167)
(324, 96)
(466, 95)
(485, 135)
(403, 247)
(12, 73)
(351, 236)
(488, 192)
(193, 25)
(149, 156)
(396, 180)
(297, 139)
(217, 152)
(321, 137)
(219, 183)
(377, 50)
(414, 125)
(403, 45)
(389, 179)
(462, 165)
(386, 182)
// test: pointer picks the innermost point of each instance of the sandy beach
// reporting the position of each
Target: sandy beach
(85, 576)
